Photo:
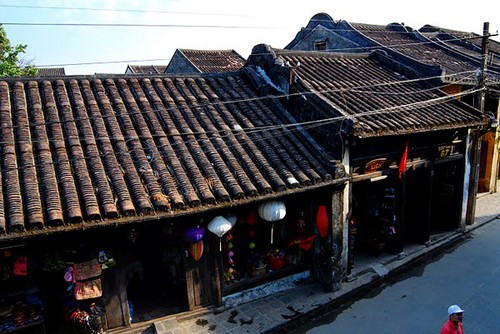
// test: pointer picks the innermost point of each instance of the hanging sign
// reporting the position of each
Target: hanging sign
(375, 165)
(445, 151)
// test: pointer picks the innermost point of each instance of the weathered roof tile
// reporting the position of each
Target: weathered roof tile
(79, 150)
(378, 100)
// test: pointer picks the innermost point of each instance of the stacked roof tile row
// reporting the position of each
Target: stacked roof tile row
(376, 99)
(82, 149)
(404, 41)
(146, 69)
(214, 61)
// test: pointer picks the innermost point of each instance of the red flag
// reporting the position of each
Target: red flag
(402, 163)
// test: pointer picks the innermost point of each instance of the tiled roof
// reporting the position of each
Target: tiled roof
(51, 72)
(86, 151)
(458, 62)
(214, 61)
(375, 98)
(147, 69)
(425, 51)
(464, 42)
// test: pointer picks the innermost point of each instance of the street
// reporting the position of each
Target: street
(468, 274)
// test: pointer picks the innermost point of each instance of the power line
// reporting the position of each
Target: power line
(283, 51)
(141, 25)
(103, 62)
(121, 10)
(359, 89)
(284, 128)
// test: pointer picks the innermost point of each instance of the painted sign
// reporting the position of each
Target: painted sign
(375, 165)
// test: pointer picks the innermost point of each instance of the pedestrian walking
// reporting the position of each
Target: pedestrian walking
(454, 323)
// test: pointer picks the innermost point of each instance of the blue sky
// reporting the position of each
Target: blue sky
(227, 25)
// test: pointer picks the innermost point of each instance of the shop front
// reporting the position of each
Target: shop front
(397, 201)
(54, 288)
(265, 245)
(276, 243)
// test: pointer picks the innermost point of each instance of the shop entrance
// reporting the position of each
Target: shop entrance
(154, 278)
(418, 189)
(375, 218)
(447, 196)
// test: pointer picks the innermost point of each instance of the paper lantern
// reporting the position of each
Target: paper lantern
(219, 226)
(232, 219)
(322, 221)
(251, 218)
(194, 234)
(272, 211)
(196, 250)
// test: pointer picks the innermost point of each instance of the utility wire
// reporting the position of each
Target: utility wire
(277, 130)
(142, 25)
(282, 51)
(358, 89)
(121, 10)
(104, 62)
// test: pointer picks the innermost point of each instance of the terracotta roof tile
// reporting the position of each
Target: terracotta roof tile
(146, 69)
(466, 43)
(214, 61)
(458, 66)
(51, 72)
(78, 152)
(376, 98)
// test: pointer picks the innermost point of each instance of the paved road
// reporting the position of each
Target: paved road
(468, 274)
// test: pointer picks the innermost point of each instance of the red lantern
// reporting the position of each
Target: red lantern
(252, 218)
(196, 250)
(322, 221)
(251, 233)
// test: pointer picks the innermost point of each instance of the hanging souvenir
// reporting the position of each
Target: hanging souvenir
(20, 266)
(251, 218)
(87, 269)
(304, 243)
(194, 234)
(196, 250)
(88, 289)
(219, 226)
(322, 221)
(232, 219)
(272, 211)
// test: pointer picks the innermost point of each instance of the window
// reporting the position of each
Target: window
(320, 46)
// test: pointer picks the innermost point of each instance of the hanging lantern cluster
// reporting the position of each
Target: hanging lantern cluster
(230, 272)
(251, 220)
(272, 211)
